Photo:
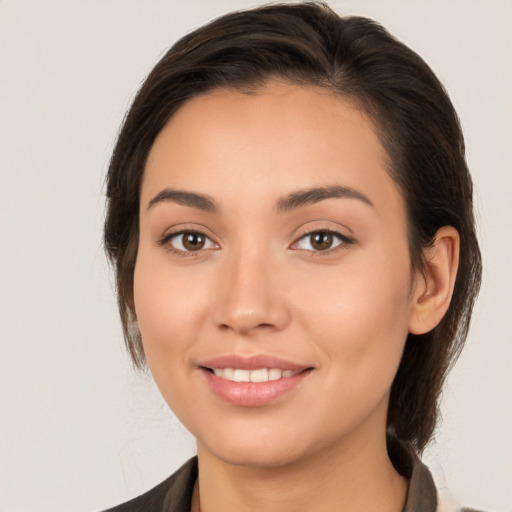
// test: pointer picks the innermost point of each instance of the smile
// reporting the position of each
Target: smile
(253, 381)
(257, 375)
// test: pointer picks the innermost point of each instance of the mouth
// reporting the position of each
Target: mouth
(257, 375)
(253, 381)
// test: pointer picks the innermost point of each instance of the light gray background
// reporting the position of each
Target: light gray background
(79, 430)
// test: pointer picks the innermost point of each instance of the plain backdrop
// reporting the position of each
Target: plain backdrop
(80, 430)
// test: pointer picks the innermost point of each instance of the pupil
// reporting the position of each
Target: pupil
(193, 241)
(322, 241)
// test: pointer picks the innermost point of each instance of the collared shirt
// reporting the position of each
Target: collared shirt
(175, 493)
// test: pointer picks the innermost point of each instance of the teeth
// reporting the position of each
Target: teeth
(274, 374)
(259, 375)
(242, 376)
(228, 373)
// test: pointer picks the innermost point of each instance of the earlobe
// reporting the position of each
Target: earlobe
(434, 286)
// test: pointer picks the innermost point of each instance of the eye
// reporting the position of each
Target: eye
(322, 240)
(188, 241)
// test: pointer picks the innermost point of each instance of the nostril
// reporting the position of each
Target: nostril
(245, 327)
(251, 320)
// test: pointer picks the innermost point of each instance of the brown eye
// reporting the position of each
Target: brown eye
(190, 241)
(318, 241)
(321, 241)
(193, 241)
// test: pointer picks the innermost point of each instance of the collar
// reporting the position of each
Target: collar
(421, 495)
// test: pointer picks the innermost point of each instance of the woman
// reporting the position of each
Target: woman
(290, 220)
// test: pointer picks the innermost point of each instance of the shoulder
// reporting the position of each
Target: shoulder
(446, 501)
(424, 493)
(173, 494)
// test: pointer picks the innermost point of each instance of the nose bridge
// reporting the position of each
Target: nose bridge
(249, 297)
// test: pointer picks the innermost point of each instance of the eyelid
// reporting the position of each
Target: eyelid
(344, 240)
(165, 239)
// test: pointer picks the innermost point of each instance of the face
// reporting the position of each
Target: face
(273, 282)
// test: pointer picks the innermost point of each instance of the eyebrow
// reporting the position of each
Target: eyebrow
(192, 199)
(292, 201)
(315, 195)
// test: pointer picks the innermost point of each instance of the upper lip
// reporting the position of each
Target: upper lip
(254, 362)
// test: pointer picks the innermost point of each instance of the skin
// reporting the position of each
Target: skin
(259, 287)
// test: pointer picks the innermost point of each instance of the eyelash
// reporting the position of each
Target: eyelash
(344, 241)
(166, 239)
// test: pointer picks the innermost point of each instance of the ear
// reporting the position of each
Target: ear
(433, 288)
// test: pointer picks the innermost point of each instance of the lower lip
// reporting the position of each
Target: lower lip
(253, 394)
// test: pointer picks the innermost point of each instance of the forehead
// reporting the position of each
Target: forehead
(275, 140)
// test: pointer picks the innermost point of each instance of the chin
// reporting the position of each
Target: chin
(257, 458)
(257, 452)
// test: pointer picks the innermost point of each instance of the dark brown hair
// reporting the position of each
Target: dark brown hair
(358, 59)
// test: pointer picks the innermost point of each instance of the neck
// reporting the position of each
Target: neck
(356, 478)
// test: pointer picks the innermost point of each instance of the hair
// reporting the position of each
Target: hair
(356, 58)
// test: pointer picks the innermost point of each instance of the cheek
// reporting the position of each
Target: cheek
(360, 317)
(168, 306)
(170, 312)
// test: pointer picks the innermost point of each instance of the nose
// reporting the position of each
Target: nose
(251, 296)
